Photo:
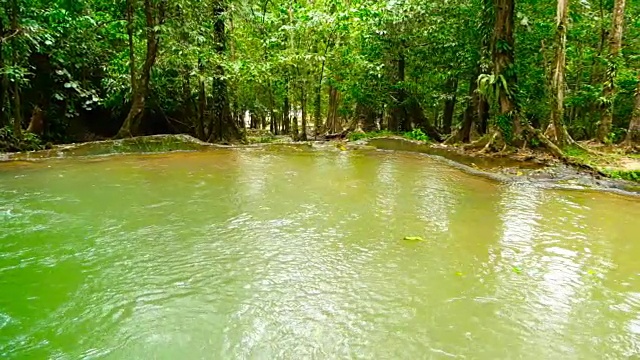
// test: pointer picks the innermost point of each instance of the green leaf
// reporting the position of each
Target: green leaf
(413, 238)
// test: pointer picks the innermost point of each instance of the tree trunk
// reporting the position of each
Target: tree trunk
(331, 126)
(4, 82)
(577, 86)
(141, 89)
(17, 111)
(366, 117)
(17, 106)
(272, 112)
(303, 105)
(286, 118)
(317, 110)
(416, 114)
(451, 88)
(470, 113)
(487, 28)
(202, 103)
(558, 77)
(633, 135)
(132, 55)
(399, 119)
(483, 114)
(317, 118)
(609, 90)
(224, 127)
(504, 71)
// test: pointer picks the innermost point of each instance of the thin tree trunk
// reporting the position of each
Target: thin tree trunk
(17, 111)
(609, 90)
(317, 118)
(4, 82)
(286, 118)
(487, 27)
(132, 56)
(272, 112)
(595, 76)
(225, 128)
(436, 117)
(17, 106)
(575, 108)
(132, 122)
(317, 110)
(633, 135)
(202, 103)
(451, 88)
(400, 120)
(558, 77)
(303, 132)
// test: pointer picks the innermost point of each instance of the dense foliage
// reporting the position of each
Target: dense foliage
(101, 68)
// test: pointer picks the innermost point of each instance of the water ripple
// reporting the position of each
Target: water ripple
(257, 254)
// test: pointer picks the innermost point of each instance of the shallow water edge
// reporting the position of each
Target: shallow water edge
(502, 169)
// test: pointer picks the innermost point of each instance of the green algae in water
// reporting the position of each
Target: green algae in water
(254, 254)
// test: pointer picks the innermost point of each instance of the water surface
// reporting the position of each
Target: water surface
(299, 254)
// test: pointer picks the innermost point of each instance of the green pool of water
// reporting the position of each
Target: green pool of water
(250, 253)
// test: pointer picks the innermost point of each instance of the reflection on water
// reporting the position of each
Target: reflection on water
(253, 253)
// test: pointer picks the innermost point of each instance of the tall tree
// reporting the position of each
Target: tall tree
(17, 104)
(154, 12)
(222, 127)
(451, 89)
(504, 72)
(4, 81)
(558, 76)
(609, 90)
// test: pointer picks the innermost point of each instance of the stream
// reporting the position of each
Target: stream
(259, 253)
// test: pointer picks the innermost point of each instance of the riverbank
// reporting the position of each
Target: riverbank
(612, 172)
(599, 172)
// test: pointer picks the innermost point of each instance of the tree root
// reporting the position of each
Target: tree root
(553, 148)
(557, 152)
(491, 141)
(629, 146)
(451, 139)
(480, 143)
(574, 143)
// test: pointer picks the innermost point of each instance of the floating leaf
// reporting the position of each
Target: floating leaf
(413, 238)
(516, 270)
